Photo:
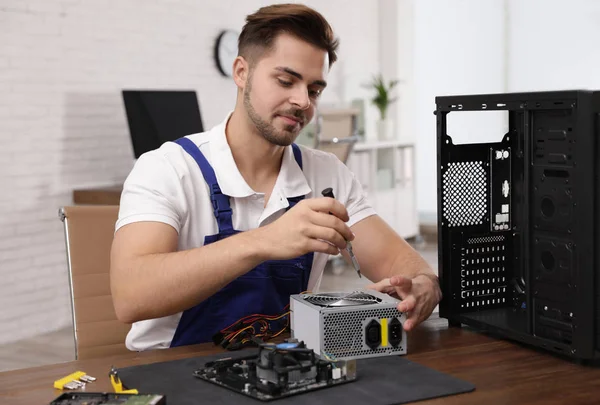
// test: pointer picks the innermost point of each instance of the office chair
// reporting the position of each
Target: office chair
(89, 233)
(337, 131)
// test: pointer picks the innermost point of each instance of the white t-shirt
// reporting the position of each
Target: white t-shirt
(166, 185)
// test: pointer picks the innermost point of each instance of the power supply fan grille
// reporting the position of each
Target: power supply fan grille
(464, 193)
(343, 332)
(341, 299)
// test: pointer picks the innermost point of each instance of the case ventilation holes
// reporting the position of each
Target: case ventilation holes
(483, 276)
(486, 239)
(464, 192)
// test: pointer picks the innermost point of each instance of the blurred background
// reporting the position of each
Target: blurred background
(66, 136)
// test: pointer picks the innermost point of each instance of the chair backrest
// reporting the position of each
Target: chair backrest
(89, 233)
(336, 131)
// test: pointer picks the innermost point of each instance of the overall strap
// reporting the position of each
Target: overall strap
(220, 201)
(298, 156)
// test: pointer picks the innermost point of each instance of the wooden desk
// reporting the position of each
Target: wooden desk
(503, 372)
(98, 196)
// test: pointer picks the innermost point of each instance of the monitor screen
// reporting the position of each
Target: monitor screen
(158, 116)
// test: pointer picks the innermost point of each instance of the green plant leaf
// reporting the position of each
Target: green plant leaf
(382, 98)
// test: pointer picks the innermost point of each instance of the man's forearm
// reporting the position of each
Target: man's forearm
(156, 285)
(409, 263)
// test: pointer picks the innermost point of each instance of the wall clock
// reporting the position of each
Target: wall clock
(226, 50)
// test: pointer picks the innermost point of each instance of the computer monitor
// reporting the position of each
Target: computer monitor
(158, 116)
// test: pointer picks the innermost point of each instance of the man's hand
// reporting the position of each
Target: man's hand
(419, 296)
(312, 225)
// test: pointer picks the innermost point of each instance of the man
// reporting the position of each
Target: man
(231, 222)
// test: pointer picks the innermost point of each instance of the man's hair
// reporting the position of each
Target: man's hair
(298, 20)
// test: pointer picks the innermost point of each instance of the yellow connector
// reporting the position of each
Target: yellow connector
(384, 332)
(60, 384)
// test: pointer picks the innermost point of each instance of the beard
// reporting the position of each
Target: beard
(266, 129)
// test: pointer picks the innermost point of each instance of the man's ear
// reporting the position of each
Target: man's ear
(241, 68)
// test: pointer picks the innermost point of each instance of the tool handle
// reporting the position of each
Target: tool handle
(60, 384)
(328, 192)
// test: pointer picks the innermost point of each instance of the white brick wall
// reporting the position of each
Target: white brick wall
(62, 124)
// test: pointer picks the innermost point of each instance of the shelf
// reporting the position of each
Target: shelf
(385, 170)
(370, 145)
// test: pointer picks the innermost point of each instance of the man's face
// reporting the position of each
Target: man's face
(283, 88)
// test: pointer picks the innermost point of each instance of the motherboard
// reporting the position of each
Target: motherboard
(278, 370)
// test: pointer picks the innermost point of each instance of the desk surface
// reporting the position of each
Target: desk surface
(503, 372)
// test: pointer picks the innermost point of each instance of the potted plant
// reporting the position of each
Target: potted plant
(382, 101)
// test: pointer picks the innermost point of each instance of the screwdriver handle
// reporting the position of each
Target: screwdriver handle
(328, 192)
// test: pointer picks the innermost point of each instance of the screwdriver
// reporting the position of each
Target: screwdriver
(328, 192)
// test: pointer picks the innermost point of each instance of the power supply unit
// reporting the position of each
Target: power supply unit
(349, 325)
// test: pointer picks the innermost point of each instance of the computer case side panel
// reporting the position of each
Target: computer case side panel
(526, 270)
(596, 220)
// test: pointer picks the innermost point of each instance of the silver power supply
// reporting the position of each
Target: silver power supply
(349, 325)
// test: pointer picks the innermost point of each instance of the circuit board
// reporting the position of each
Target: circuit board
(102, 398)
(277, 371)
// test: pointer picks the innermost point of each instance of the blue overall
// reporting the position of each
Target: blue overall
(265, 289)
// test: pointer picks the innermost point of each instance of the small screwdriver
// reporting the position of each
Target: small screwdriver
(328, 192)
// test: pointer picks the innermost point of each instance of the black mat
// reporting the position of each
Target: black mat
(380, 381)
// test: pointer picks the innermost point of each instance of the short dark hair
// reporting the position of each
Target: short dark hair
(298, 20)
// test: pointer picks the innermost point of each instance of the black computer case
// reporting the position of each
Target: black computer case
(518, 221)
